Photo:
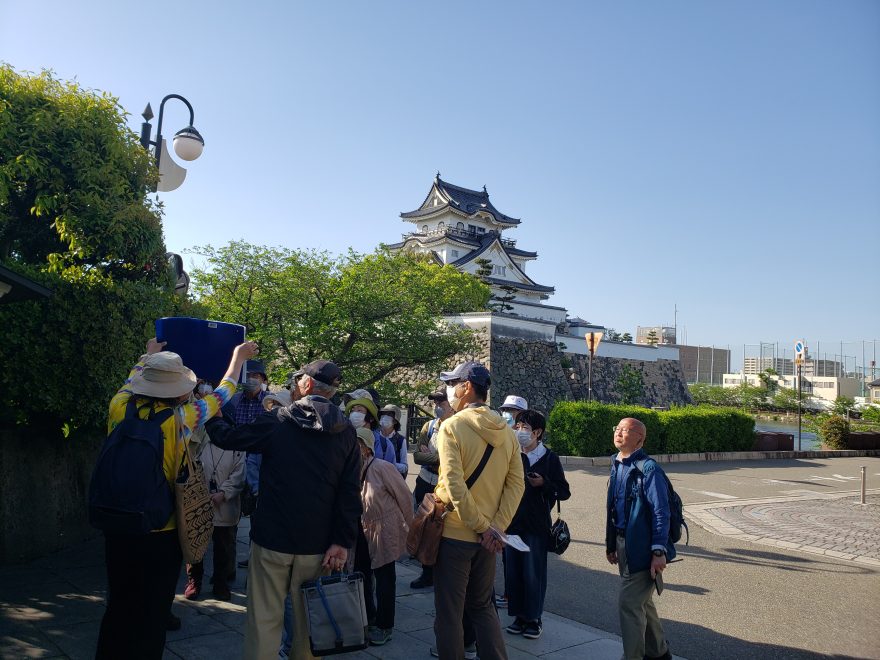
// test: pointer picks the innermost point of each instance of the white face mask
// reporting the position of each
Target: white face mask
(508, 417)
(386, 422)
(205, 389)
(357, 419)
(450, 396)
(524, 437)
(263, 387)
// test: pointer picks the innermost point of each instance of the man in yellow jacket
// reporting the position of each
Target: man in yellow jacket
(481, 479)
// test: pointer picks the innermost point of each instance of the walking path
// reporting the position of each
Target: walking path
(52, 607)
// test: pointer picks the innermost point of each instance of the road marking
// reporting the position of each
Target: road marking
(817, 478)
(840, 476)
(720, 496)
(776, 481)
(801, 491)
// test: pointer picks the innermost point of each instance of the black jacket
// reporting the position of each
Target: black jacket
(310, 487)
(533, 514)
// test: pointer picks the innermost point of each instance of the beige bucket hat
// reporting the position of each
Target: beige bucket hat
(163, 377)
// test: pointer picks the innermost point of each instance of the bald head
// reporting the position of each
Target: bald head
(629, 436)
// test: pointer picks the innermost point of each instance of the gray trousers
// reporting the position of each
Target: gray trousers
(640, 627)
(464, 577)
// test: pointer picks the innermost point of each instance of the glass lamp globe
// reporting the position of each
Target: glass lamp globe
(188, 143)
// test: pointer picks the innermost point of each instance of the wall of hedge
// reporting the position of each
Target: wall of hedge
(64, 357)
(577, 428)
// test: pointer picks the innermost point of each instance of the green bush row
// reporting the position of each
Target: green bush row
(64, 357)
(576, 428)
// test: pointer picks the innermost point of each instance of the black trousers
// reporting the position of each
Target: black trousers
(379, 597)
(224, 558)
(142, 574)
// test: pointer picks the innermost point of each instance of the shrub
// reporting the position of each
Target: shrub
(698, 429)
(64, 357)
(577, 428)
(834, 431)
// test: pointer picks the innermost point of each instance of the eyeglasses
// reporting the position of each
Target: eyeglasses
(622, 429)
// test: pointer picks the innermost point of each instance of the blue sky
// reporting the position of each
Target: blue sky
(723, 157)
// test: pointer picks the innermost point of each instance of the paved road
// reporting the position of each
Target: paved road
(729, 597)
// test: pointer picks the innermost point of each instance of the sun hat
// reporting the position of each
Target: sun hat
(394, 410)
(163, 377)
(356, 394)
(514, 402)
(366, 403)
(366, 437)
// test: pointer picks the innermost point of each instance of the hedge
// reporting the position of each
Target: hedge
(64, 357)
(576, 428)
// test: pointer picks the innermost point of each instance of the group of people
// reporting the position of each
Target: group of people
(329, 483)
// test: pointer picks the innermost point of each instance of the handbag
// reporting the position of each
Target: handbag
(195, 512)
(426, 530)
(559, 535)
(336, 613)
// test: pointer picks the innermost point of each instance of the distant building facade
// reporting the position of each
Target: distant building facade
(664, 334)
(827, 388)
(786, 366)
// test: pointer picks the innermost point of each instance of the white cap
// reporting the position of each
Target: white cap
(514, 402)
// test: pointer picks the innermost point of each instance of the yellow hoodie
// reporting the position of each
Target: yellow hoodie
(495, 496)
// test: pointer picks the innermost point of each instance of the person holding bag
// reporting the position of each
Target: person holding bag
(526, 572)
(382, 537)
(142, 569)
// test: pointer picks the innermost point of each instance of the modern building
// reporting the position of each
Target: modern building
(826, 388)
(874, 391)
(786, 366)
(704, 364)
(663, 333)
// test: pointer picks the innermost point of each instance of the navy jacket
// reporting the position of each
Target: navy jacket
(310, 485)
(646, 508)
(533, 514)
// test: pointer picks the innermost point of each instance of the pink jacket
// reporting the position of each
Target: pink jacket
(388, 511)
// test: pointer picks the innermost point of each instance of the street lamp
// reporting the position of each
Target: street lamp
(188, 145)
(593, 339)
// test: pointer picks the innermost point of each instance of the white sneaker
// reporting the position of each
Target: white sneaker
(470, 652)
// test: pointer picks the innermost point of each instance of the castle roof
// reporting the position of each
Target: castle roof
(462, 200)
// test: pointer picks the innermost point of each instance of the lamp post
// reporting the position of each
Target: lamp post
(593, 339)
(188, 145)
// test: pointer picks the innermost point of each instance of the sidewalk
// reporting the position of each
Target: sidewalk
(52, 607)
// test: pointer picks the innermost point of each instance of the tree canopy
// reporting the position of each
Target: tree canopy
(372, 314)
(74, 181)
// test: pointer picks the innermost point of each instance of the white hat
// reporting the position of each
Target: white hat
(163, 377)
(514, 402)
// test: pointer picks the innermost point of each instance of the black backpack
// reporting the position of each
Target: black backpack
(129, 493)
(676, 506)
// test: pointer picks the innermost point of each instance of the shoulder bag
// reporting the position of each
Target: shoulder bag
(336, 613)
(423, 539)
(195, 512)
(559, 535)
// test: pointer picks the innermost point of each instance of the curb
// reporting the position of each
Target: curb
(605, 461)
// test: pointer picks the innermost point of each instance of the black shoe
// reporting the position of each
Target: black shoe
(421, 583)
(243, 563)
(173, 622)
(229, 578)
(517, 627)
(665, 656)
(533, 630)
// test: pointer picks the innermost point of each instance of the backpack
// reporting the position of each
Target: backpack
(128, 492)
(676, 506)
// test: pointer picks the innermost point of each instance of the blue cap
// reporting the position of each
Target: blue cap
(472, 371)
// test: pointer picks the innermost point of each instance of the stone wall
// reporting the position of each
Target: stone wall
(663, 380)
(531, 369)
(44, 481)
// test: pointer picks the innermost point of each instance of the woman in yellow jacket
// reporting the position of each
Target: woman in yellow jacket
(142, 570)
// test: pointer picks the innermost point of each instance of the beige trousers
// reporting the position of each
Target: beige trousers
(271, 576)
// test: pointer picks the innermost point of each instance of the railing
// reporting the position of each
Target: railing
(455, 231)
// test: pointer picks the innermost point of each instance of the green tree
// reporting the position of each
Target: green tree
(652, 338)
(372, 314)
(843, 404)
(630, 385)
(612, 335)
(497, 303)
(751, 397)
(786, 399)
(768, 380)
(714, 395)
(74, 181)
(626, 337)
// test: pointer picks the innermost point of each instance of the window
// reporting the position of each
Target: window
(499, 270)
(453, 254)
(441, 225)
(481, 230)
(424, 229)
(460, 226)
(472, 229)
